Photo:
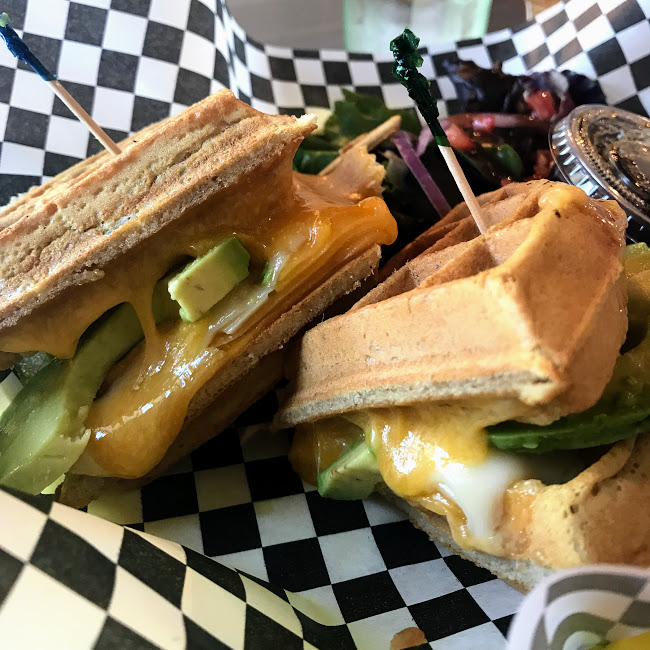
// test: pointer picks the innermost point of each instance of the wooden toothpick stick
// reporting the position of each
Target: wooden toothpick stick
(82, 116)
(20, 50)
(405, 68)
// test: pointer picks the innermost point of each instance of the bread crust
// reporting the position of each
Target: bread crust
(599, 516)
(523, 575)
(458, 225)
(551, 343)
(61, 234)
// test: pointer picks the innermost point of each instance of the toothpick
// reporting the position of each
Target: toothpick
(83, 117)
(20, 50)
(405, 68)
(461, 180)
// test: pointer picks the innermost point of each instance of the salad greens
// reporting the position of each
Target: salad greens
(500, 136)
(352, 116)
(357, 114)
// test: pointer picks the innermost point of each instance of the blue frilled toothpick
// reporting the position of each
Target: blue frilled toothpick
(20, 50)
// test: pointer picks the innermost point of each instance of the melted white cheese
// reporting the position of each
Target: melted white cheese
(478, 490)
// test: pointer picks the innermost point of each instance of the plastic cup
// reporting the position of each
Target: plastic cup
(370, 25)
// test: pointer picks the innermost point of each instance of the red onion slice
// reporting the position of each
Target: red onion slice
(403, 143)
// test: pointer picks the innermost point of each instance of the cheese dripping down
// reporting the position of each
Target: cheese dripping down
(437, 457)
(146, 398)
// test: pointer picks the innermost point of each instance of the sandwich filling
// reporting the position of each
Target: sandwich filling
(495, 466)
(136, 419)
(438, 457)
(296, 230)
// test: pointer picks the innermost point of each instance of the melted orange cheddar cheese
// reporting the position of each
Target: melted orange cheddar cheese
(319, 223)
(434, 455)
(135, 421)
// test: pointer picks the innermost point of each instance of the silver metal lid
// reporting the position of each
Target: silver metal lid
(606, 152)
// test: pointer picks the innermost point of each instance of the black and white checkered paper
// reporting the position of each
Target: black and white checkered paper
(361, 572)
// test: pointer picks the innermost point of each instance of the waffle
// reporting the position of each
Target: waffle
(515, 313)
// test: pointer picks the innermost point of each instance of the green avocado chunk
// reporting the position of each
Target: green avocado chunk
(353, 476)
(572, 432)
(42, 431)
(624, 408)
(209, 278)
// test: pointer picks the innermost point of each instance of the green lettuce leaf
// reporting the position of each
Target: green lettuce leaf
(352, 116)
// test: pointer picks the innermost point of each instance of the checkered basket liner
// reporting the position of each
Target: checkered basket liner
(345, 574)
(583, 607)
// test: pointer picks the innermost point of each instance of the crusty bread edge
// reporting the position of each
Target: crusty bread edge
(262, 140)
(79, 490)
(523, 575)
(411, 389)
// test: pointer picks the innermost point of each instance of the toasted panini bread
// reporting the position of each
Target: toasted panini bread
(114, 229)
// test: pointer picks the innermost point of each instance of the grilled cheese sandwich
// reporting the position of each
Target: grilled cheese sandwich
(105, 233)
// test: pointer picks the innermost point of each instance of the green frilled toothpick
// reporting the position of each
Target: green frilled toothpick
(19, 49)
(405, 69)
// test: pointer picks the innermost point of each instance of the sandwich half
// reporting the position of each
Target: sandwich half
(137, 290)
(481, 386)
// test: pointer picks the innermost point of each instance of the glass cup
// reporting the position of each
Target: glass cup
(370, 25)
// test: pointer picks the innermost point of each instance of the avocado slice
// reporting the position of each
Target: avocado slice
(353, 476)
(623, 411)
(571, 432)
(209, 278)
(42, 431)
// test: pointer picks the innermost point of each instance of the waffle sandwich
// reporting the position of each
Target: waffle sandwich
(480, 386)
